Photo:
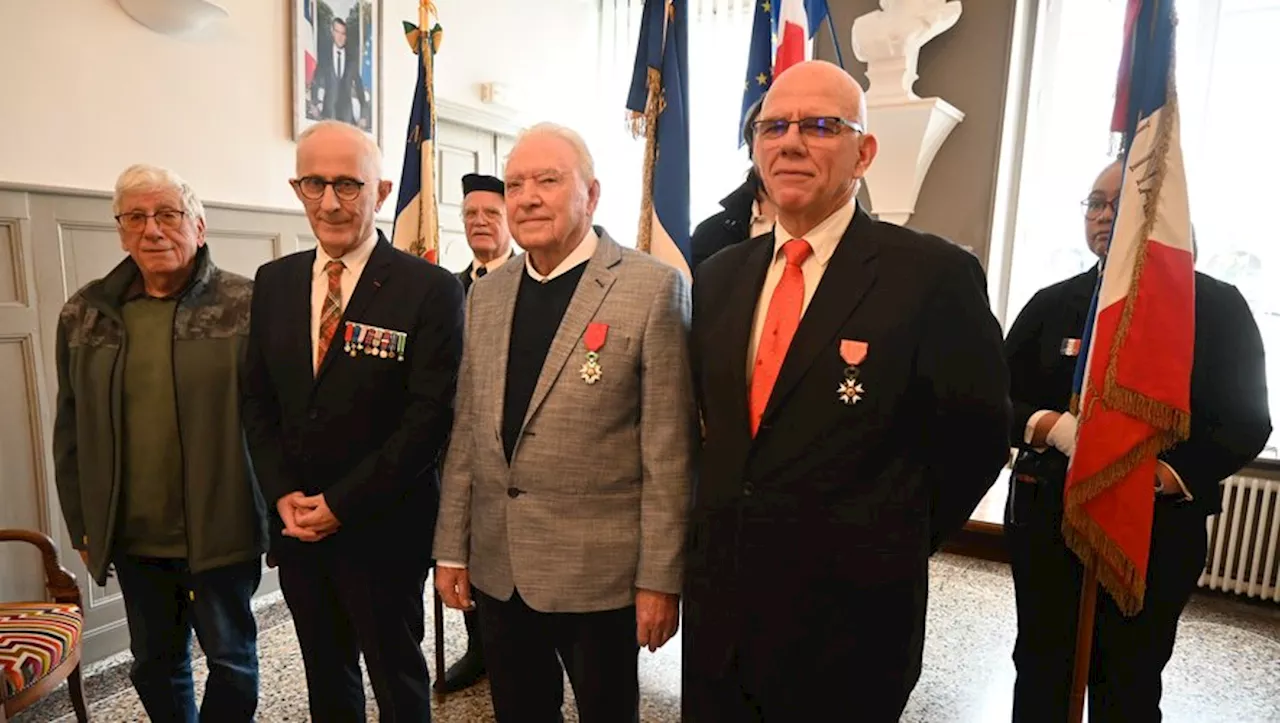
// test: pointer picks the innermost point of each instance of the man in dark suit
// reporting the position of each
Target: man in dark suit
(1230, 424)
(337, 90)
(352, 362)
(855, 401)
(484, 217)
(747, 213)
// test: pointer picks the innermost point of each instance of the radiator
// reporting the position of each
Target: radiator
(1243, 540)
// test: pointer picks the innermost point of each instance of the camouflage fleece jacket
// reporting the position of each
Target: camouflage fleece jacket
(225, 511)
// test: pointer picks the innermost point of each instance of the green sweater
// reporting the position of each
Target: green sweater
(153, 518)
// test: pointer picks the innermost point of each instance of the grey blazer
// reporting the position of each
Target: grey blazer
(595, 501)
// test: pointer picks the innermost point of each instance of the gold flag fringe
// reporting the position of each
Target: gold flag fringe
(429, 43)
(1083, 535)
(648, 125)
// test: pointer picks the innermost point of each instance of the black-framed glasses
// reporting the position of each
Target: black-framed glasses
(135, 221)
(821, 127)
(1094, 205)
(312, 187)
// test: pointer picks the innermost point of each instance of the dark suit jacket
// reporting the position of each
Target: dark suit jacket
(726, 228)
(828, 496)
(338, 92)
(464, 276)
(1230, 421)
(366, 431)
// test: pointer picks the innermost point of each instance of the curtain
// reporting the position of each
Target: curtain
(719, 31)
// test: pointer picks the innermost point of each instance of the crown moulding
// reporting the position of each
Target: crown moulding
(174, 17)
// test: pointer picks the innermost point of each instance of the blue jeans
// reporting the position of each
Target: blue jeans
(163, 601)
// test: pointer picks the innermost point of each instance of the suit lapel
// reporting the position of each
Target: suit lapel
(375, 272)
(849, 275)
(738, 321)
(594, 285)
(297, 315)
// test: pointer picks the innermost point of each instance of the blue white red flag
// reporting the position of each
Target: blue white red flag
(1133, 382)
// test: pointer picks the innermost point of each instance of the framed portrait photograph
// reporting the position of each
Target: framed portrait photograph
(336, 48)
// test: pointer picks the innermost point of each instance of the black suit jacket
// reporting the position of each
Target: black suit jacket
(339, 91)
(366, 431)
(726, 228)
(1230, 421)
(464, 276)
(828, 496)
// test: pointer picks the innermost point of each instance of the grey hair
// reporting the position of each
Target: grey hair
(141, 177)
(586, 164)
(372, 153)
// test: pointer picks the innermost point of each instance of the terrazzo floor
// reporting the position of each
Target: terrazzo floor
(1226, 667)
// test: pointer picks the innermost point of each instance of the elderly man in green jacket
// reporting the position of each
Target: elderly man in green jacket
(152, 468)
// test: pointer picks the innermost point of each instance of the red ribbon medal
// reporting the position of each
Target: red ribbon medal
(850, 390)
(594, 340)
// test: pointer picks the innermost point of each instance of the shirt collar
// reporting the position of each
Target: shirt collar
(824, 237)
(492, 265)
(354, 260)
(580, 255)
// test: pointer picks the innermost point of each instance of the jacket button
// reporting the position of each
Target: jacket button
(513, 492)
(313, 414)
(747, 489)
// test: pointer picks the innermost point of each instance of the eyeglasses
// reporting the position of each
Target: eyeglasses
(136, 221)
(1094, 205)
(823, 127)
(312, 187)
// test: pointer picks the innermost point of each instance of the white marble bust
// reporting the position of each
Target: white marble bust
(889, 39)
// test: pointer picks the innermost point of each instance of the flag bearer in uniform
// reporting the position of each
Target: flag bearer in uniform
(1230, 423)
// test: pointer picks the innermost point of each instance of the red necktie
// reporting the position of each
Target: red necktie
(779, 327)
(331, 311)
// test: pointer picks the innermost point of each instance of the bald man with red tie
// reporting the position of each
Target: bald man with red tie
(854, 393)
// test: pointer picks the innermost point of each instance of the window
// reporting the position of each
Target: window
(719, 31)
(1225, 48)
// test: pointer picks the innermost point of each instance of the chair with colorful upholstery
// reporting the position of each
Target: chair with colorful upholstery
(40, 641)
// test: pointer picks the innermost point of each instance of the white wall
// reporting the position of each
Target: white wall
(86, 90)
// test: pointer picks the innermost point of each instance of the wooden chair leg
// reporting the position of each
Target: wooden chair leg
(75, 685)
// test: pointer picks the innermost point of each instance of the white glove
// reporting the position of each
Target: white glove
(1062, 435)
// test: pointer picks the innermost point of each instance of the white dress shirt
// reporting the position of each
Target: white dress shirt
(491, 266)
(354, 262)
(824, 238)
(760, 223)
(580, 255)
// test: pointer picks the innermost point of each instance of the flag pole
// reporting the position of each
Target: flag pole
(1084, 644)
(835, 39)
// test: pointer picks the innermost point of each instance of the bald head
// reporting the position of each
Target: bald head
(333, 134)
(823, 82)
(812, 165)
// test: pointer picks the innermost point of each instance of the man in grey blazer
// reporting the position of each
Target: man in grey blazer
(566, 484)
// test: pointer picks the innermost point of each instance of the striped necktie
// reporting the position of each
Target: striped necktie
(331, 311)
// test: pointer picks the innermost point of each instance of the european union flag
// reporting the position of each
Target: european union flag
(759, 59)
(659, 91)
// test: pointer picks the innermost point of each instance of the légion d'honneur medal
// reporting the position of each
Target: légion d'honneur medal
(594, 340)
(853, 352)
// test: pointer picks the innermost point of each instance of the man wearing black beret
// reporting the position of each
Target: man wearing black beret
(484, 217)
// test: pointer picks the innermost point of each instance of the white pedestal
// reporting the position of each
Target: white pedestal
(910, 132)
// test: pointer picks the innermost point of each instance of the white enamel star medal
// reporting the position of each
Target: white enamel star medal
(850, 391)
(594, 340)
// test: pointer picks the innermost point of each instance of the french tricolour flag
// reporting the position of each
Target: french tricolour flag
(309, 39)
(1134, 382)
(797, 22)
